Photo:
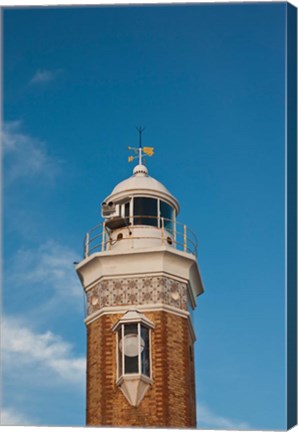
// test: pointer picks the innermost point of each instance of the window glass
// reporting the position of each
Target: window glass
(131, 348)
(146, 208)
(126, 212)
(145, 351)
(166, 212)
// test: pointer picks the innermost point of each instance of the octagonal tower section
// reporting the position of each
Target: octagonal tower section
(141, 280)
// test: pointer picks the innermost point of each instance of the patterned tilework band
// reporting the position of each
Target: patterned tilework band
(137, 291)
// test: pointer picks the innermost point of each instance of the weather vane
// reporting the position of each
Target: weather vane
(140, 151)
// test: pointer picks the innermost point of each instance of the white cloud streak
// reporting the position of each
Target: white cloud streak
(23, 348)
(13, 417)
(50, 265)
(207, 419)
(25, 156)
(33, 363)
(43, 76)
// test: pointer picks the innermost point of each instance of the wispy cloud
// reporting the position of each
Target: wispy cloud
(42, 76)
(13, 417)
(25, 156)
(48, 353)
(49, 266)
(207, 419)
(36, 366)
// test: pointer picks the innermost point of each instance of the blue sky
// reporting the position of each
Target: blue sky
(208, 83)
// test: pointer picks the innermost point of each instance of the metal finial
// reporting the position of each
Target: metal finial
(140, 129)
(140, 151)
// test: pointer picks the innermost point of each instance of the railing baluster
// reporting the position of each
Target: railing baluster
(87, 245)
(84, 247)
(174, 226)
(181, 241)
(103, 237)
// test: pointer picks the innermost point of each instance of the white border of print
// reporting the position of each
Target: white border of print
(15, 3)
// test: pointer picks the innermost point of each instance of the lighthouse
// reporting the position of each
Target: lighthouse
(141, 279)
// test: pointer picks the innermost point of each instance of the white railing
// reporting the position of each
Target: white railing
(178, 235)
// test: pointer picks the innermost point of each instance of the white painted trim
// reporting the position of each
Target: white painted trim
(134, 387)
(134, 376)
(143, 308)
(191, 297)
(112, 310)
(150, 355)
(139, 349)
(138, 319)
(112, 253)
(122, 352)
(191, 331)
(141, 262)
(117, 356)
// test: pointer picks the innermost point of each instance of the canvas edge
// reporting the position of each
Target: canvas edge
(291, 217)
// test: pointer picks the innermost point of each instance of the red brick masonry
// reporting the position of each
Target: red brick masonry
(170, 402)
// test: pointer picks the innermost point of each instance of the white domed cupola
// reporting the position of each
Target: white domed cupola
(142, 208)
(139, 213)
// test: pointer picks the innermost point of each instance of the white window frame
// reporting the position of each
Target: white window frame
(118, 328)
(122, 351)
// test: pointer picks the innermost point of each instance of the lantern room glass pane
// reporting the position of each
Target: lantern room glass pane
(126, 213)
(146, 208)
(145, 351)
(167, 212)
(131, 348)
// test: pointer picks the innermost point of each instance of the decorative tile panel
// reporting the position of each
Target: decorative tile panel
(137, 291)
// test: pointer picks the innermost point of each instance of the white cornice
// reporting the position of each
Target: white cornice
(136, 275)
(141, 262)
(142, 308)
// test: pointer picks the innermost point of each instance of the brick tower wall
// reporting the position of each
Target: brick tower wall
(170, 401)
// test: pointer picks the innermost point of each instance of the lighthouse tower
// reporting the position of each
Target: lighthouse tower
(141, 280)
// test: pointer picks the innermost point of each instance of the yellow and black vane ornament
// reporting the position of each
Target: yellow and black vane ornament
(140, 152)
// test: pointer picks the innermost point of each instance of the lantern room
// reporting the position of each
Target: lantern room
(141, 213)
(140, 208)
